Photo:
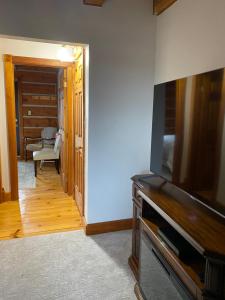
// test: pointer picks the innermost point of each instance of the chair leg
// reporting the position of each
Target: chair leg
(57, 165)
(25, 155)
(35, 168)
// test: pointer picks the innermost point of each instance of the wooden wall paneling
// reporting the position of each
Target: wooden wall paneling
(11, 113)
(38, 76)
(94, 2)
(40, 111)
(39, 100)
(36, 88)
(160, 6)
(40, 122)
(32, 132)
(21, 126)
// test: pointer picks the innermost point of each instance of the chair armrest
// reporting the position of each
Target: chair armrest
(26, 139)
(45, 139)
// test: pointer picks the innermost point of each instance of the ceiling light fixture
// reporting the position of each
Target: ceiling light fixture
(66, 54)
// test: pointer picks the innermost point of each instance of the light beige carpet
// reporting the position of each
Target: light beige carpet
(67, 266)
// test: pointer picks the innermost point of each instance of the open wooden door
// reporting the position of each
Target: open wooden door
(79, 130)
(62, 110)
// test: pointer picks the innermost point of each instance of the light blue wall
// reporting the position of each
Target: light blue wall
(121, 36)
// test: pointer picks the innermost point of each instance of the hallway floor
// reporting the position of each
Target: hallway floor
(40, 210)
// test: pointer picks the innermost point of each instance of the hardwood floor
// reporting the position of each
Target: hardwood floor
(40, 210)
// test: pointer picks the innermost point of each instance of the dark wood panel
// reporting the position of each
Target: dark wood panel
(32, 132)
(36, 76)
(31, 88)
(94, 2)
(40, 111)
(36, 69)
(39, 122)
(39, 100)
(160, 5)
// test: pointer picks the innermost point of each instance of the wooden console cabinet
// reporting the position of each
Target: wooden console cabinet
(157, 203)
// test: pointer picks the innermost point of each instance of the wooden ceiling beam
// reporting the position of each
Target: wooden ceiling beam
(160, 6)
(94, 2)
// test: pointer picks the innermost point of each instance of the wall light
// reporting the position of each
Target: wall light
(66, 54)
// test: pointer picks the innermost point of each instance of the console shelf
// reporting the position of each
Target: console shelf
(189, 271)
(156, 204)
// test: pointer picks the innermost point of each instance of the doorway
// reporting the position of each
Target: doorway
(67, 105)
(37, 115)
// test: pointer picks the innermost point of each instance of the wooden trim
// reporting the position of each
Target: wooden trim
(11, 117)
(111, 226)
(94, 2)
(9, 62)
(39, 62)
(160, 6)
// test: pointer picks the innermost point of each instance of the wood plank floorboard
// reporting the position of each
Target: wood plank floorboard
(41, 210)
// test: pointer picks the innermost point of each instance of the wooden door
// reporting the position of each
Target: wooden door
(79, 131)
(11, 124)
(62, 110)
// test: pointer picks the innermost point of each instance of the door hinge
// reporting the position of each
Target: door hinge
(65, 84)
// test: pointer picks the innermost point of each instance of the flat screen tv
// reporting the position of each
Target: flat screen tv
(188, 136)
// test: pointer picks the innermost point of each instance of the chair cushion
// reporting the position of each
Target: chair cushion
(34, 147)
(45, 154)
(51, 146)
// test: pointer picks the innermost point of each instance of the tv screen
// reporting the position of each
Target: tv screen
(188, 135)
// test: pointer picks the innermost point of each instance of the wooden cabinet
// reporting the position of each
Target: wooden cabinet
(158, 204)
(137, 209)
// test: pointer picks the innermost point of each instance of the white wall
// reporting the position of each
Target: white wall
(190, 39)
(121, 36)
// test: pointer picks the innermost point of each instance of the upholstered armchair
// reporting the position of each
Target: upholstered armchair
(47, 140)
(48, 154)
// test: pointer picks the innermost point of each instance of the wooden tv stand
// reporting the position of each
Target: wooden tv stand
(156, 203)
